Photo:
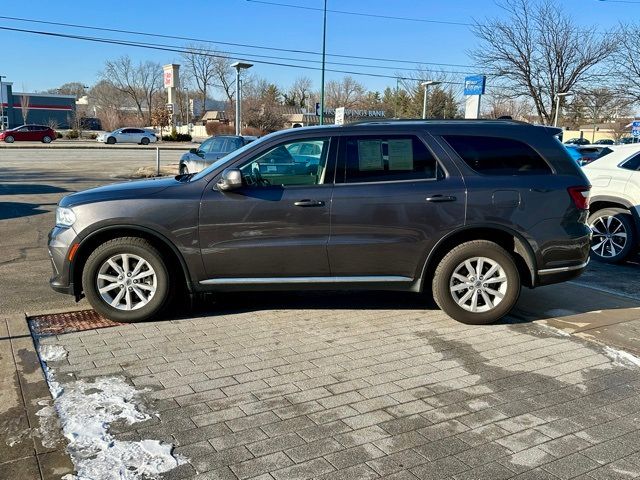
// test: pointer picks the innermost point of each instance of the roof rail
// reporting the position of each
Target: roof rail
(437, 120)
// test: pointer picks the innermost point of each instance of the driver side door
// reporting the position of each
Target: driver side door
(273, 229)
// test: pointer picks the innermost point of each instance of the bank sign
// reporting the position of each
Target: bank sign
(475, 85)
(350, 112)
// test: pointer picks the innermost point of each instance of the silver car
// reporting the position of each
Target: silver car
(210, 150)
(128, 135)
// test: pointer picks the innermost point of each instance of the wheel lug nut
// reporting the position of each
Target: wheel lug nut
(128, 274)
(484, 285)
(135, 281)
(130, 288)
(120, 277)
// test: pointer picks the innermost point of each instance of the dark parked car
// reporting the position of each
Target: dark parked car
(577, 141)
(469, 210)
(211, 150)
(584, 155)
(604, 141)
(34, 133)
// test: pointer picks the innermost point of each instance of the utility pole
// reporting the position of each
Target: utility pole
(2, 123)
(324, 50)
(558, 95)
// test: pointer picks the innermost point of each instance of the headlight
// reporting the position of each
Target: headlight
(65, 217)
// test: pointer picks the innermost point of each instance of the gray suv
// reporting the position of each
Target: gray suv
(471, 210)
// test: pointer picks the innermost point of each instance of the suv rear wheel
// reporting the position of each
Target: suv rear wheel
(126, 280)
(613, 234)
(476, 283)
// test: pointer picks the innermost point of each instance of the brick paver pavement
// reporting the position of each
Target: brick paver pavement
(370, 393)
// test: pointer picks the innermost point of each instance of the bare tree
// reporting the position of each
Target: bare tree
(139, 82)
(347, 92)
(200, 65)
(538, 51)
(626, 64)
(110, 104)
(225, 80)
(597, 105)
(24, 107)
(70, 88)
(299, 93)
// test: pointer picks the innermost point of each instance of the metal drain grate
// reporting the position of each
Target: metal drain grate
(57, 323)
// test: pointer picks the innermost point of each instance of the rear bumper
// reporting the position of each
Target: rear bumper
(549, 276)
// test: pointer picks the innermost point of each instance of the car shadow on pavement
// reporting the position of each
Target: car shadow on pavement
(10, 210)
(29, 189)
(242, 302)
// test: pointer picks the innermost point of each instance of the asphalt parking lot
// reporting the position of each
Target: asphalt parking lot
(331, 385)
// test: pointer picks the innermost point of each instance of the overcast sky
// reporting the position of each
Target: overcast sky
(35, 62)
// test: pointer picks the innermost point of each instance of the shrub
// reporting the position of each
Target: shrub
(72, 134)
(59, 135)
(252, 131)
(93, 136)
(218, 128)
(177, 137)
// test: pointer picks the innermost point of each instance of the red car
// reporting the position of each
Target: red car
(36, 133)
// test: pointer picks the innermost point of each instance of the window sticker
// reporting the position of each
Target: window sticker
(400, 154)
(370, 155)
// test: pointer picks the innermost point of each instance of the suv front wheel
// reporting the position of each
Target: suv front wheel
(476, 283)
(125, 280)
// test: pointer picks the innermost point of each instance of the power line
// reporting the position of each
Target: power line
(233, 44)
(360, 14)
(209, 54)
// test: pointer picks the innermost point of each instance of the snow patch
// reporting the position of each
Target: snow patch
(622, 358)
(52, 353)
(86, 410)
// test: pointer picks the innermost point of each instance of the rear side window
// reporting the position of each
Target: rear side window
(633, 163)
(386, 158)
(498, 156)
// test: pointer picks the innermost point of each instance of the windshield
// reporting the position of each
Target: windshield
(229, 157)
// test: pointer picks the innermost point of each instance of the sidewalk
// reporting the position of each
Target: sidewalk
(31, 445)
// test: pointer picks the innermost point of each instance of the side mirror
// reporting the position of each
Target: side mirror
(193, 150)
(231, 179)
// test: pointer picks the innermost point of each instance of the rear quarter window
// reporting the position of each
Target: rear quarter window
(498, 156)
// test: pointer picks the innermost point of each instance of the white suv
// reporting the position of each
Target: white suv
(615, 203)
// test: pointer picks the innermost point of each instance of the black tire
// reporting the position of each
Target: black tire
(443, 281)
(46, 139)
(621, 223)
(183, 169)
(111, 140)
(144, 141)
(132, 246)
(9, 139)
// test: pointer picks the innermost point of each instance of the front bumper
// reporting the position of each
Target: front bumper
(60, 242)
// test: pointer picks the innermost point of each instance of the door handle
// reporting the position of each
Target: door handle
(441, 198)
(309, 203)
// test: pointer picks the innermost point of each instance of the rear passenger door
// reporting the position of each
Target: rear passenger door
(392, 201)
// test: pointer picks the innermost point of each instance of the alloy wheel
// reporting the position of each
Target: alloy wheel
(609, 236)
(478, 284)
(126, 281)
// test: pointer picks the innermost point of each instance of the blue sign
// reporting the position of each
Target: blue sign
(474, 85)
(635, 129)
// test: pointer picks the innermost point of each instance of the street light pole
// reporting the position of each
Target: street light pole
(558, 95)
(239, 66)
(324, 49)
(426, 86)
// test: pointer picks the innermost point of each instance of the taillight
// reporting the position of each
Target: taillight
(580, 196)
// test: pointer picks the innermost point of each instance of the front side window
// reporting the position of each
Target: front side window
(278, 166)
(497, 155)
(386, 158)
